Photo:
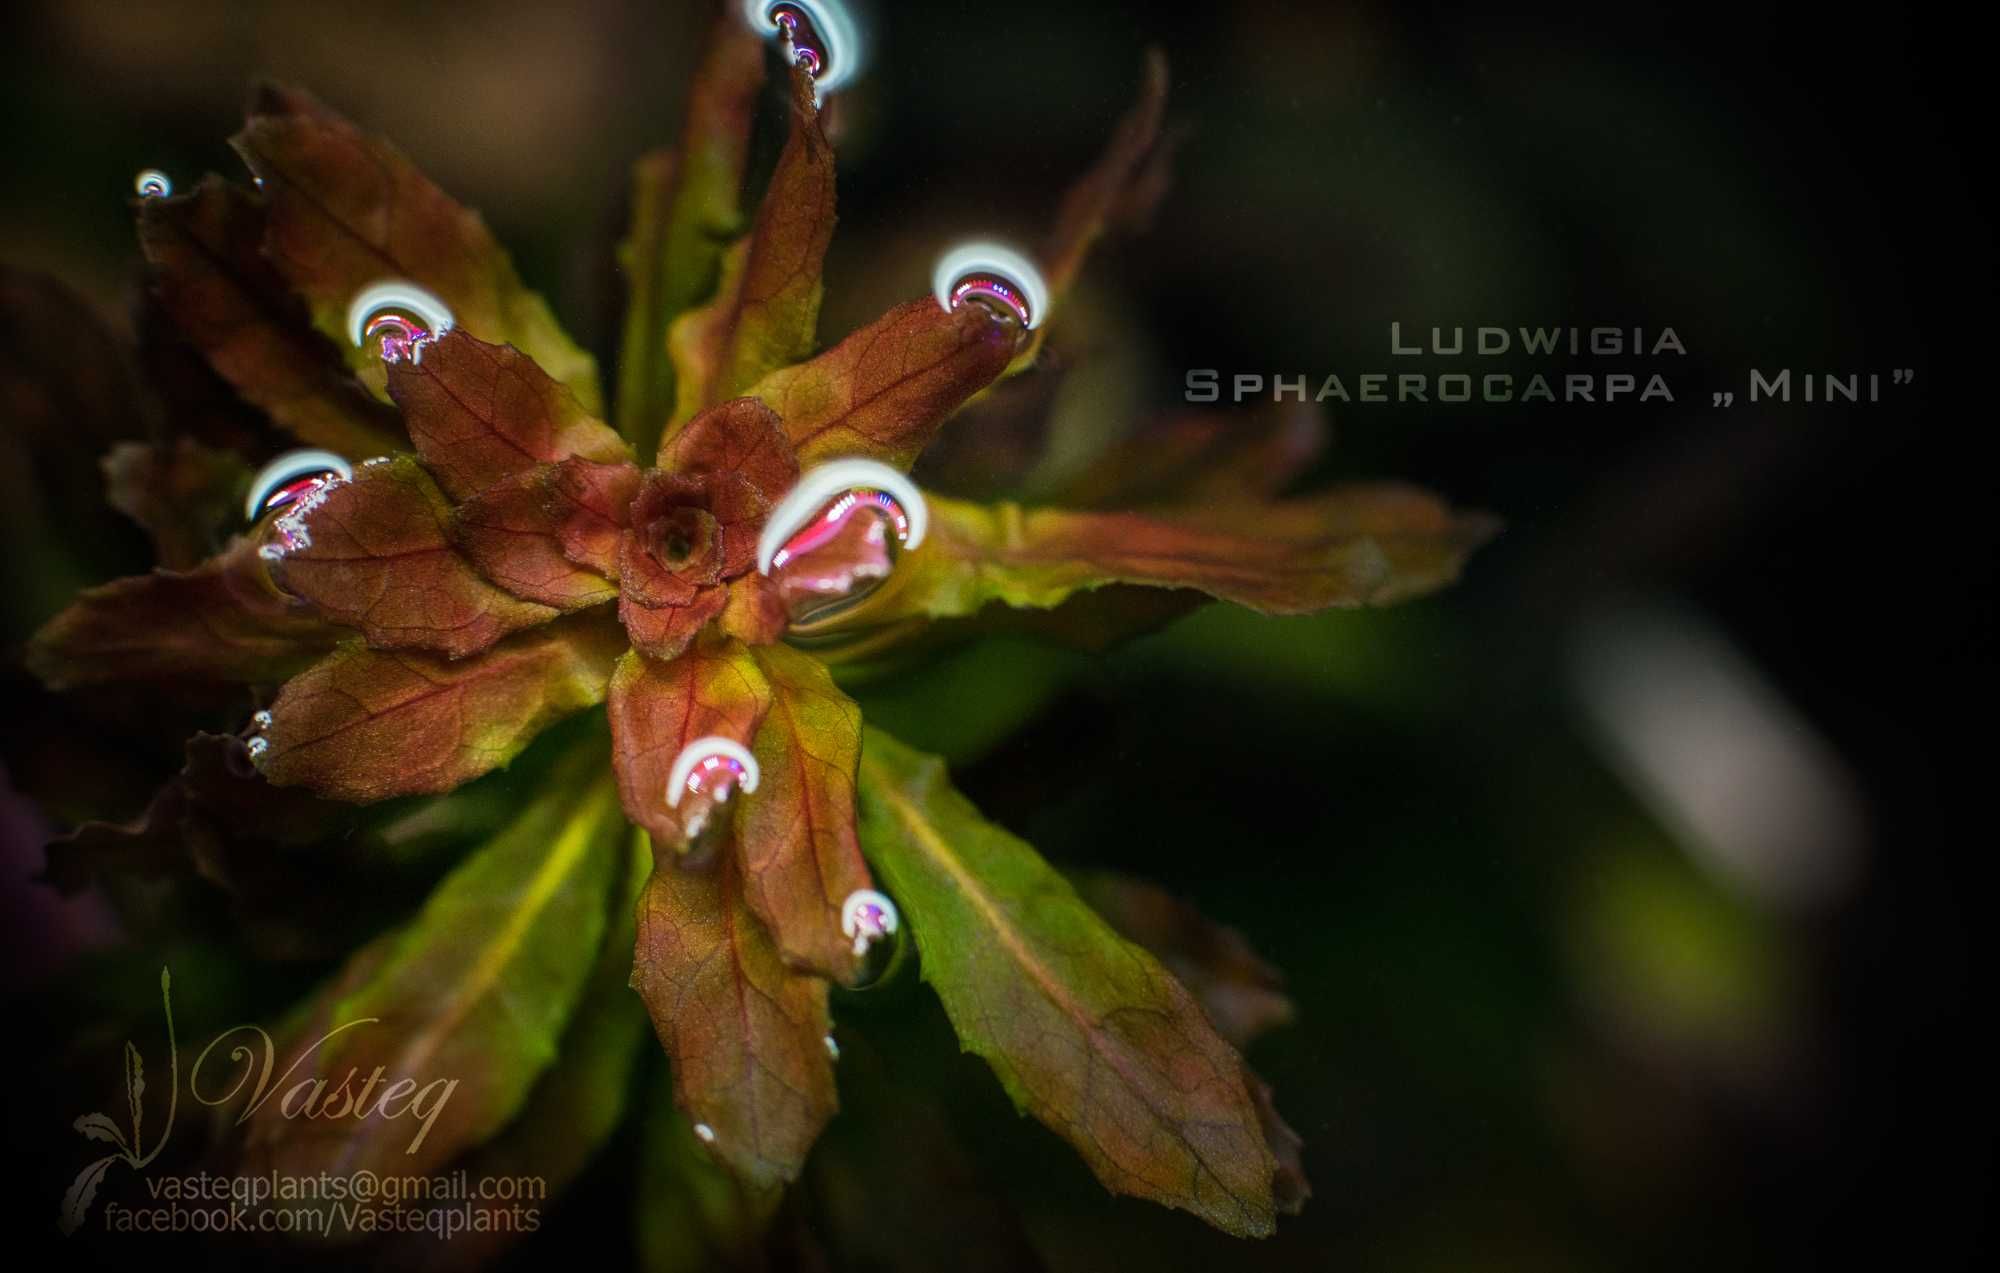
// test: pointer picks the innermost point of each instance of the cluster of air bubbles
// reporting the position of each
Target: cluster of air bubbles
(398, 318)
(706, 773)
(286, 490)
(255, 743)
(995, 276)
(151, 183)
(836, 535)
(821, 36)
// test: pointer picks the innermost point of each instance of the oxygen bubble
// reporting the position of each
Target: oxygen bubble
(287, 489)
(262, 720)
(706, 773)
(151, 183)
(993, 275)
(822, 34)
(832, 1048)
(399, 317)
(870, 919)
(256, 746)
(837, 533)
(704, 1133)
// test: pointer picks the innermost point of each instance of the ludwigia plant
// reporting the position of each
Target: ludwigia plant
(460, 546)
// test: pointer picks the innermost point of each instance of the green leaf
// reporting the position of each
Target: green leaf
(1085, 1030)
(686, 205)
(578, 1104)
(469, 1000)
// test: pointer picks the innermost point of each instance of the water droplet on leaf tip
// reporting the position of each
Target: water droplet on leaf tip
(293, 479)
(991, 274)
(822, 35)
(399, 318)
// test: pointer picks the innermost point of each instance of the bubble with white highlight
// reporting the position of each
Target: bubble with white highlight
(994, 275)
(706, 773)
(398, 317)
(151, 183)
(824, 37)
(285, 490)
(836, 535)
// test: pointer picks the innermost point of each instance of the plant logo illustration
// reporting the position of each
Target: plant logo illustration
(99, 1127)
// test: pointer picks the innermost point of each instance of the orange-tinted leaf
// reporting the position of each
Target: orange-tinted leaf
(513, 532)
(1243, 995)
(184, 494)
(685, 206)
(656, 709)
(362, 725)
(767, 307)
(347, 209)
(1105, 194)
(481, 413)
(883, 392)
(755, 613)
(1084, 1029)
(221, 621)
(745, 1033)
(795, 837)
(1202, 458)
(1350, 546)
(210, 274)
(379, 557)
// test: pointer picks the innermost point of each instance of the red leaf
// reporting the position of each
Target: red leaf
(221, 621)
(767, 307)
(795, 837)
(481, 413)
(742, 437)
(884, 391)
(513, 532)
(746, 1034)
(210, 275)
(347, 209)
(656, 709)
(379, 558)
(591, 505)
(363, 725)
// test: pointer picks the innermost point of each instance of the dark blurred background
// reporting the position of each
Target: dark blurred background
(1629, 891)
